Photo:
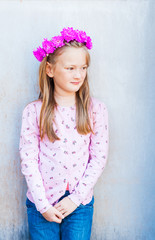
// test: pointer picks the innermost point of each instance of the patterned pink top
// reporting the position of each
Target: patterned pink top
(76, 158)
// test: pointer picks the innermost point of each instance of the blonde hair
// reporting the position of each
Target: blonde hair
(46, 95)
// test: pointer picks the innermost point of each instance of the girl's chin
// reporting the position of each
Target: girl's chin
(75, 87)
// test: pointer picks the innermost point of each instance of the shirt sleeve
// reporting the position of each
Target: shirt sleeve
(98, 154)
(29, 154)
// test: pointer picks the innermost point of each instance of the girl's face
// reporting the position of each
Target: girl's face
(70, 71)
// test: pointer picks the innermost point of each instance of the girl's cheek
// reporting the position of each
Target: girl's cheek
(84, 75)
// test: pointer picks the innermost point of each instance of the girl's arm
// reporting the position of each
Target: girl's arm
(97, 157)
(29, 153)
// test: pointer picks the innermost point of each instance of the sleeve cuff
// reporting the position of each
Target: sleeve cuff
(45, 208)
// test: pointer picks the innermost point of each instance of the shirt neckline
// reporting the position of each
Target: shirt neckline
(66, 107)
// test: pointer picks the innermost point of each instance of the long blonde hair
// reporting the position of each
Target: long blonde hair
(46, 95)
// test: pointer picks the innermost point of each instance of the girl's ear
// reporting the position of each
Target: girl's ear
(49, 70)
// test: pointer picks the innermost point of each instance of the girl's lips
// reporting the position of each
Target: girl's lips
(75, 83)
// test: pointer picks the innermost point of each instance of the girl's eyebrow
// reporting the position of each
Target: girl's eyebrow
(75, 65)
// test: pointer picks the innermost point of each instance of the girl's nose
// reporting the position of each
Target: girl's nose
(77, 74)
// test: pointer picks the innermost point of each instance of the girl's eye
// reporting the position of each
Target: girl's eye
(70, 68)
(84, 68)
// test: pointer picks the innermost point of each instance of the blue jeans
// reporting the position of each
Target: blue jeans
(76, 226)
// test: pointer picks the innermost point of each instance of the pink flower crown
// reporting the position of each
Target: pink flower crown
(67, 35)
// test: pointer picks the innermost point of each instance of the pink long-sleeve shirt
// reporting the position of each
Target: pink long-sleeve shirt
(75, 159)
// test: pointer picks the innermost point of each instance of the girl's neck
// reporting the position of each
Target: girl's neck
(65, 101)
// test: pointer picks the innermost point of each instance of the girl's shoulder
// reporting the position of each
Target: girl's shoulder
(98, 110)
(97, 104)
(34, 106)
(37, 103)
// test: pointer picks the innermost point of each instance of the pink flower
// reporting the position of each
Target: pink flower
(39, 54)
(89, 43)
(81, 36)
(47, 46)
(57, 41)
(68, 34)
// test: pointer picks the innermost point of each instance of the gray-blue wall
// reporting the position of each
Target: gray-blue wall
(121, 74)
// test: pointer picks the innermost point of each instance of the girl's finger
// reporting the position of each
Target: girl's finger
(57, 205)
(59, 214)
(60, 209)
(56, 219)
(65, 214)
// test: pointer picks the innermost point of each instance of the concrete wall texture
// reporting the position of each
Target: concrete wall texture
(121, 74)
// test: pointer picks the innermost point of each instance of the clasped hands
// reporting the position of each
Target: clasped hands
(60, 210)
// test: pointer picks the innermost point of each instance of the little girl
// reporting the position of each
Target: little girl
(63, 142)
